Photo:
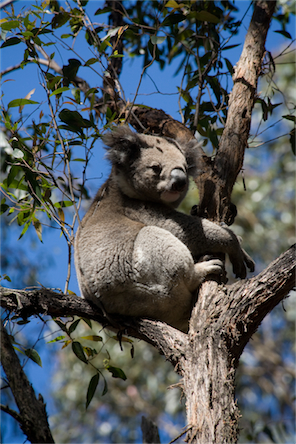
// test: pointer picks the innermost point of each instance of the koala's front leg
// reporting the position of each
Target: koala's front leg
(161, 259)
(221, 239)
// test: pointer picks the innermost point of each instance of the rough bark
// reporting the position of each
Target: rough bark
(32, 415)
(223, 320)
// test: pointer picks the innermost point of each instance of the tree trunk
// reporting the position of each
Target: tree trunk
(221, 324)
(216, 182)
(209, 386)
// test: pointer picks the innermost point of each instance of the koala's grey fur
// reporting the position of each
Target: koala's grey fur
(133, 251)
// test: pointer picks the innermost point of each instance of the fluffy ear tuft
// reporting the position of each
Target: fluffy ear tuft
(122, 144)
(193, 153)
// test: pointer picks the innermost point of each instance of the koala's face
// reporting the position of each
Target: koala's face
(149, 167)
(160, 173)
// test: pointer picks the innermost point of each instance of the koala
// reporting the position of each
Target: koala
(134, 252)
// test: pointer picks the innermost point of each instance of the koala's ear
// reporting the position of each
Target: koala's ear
(123, 145)
(193, 153)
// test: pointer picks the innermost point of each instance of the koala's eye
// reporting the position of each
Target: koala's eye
(156, 168)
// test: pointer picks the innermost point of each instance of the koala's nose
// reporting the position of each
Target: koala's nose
(179, 179)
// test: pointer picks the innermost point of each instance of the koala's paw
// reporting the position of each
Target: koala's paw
(239, 264)
(212, 266)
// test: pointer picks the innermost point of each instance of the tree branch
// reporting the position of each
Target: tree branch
(236, 311)
(26, 303)
(32, 416)
(259, 295)
(216, 182)
(11, 412)
(248, 302)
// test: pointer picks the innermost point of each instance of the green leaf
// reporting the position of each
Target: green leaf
(60, 19)
(87, 321)
(33, 355)
(17, 154)
(205, 16)
(59, 91)
(173, 4)
(21, 102)
(73, 326)
(105, 389)
(7, 26)
(116, 55)
(23, 322)
(103, 10)
(58, 338)
(155, 40)
(10, 42)
(91, 61)
(27, 34)
(61, 325)
(25, 229)
(225, 48)
(14, 170)
(78, 351)
(94, 338)
(116, 372)
(63, 204)
(229, 66)
(93, 383)
(4, 207)
(7, 278)
(38, 228)
(90, 91)
(74, 119)
(172, 19)
(284, 33)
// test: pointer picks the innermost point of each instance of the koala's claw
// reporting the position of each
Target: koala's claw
(239, 265)
(214, 266)
(249, 261)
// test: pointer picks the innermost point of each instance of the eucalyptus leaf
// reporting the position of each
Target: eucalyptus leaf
(78, 351)
(34, 356)
(21, 102)
(92, 388)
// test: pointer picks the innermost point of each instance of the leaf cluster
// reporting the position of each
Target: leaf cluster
(87, 354)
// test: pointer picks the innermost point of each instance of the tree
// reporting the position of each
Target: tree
(40, 176)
